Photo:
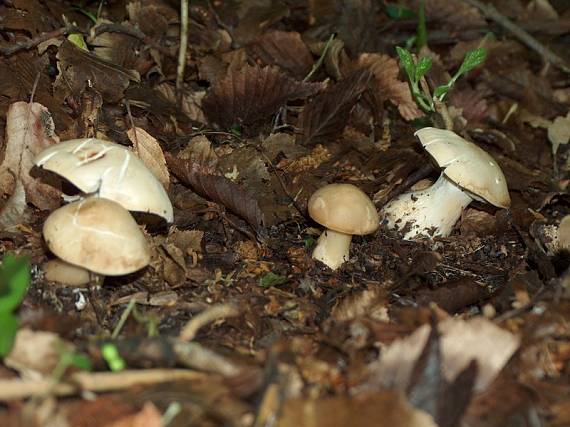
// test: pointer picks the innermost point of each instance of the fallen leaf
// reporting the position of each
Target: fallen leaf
(252, 94)
(387, 86)
(453, 13)
(559, 132)
(29, 130)
(148, 416)
(324, 118)
(147, 148)
(14, 212)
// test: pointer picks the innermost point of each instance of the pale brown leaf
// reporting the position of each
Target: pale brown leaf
(148, 416)
(14, 211)
(29, 130)
(147, 148)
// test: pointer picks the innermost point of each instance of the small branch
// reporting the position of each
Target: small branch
(182, 52)
(209, 315)
(31, 43)
(490, 12)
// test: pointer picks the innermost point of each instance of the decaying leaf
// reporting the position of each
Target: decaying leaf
(218, 189)
(387, 86)
(284, 49)
(147, 148)
(29, 130)
(453, 13)
(149, 416)
(324, 118)
(14, 210)
(252, 94)
(462, 341)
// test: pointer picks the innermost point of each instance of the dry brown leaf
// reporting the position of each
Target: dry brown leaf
(387, 86)
(14, 211)
(29, 130)
(451, 13)
(252, 94)
(148, 416)
(147, 148)
(461, 341)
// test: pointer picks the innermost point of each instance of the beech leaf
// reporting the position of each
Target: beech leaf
(147, 148)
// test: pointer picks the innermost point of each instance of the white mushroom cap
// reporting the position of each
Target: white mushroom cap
(59, 271)
(110, 171)
(99, 235)
(466, 165)
(344, 210)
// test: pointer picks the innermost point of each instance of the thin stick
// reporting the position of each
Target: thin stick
(31, 43)
(183, 48)
(321, 59)
(124, 316)
(209, 315)
(490, 12)
(15, 389)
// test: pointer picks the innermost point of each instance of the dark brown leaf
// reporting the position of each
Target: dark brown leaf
(252, 94)
(324, 118)
(457, 396)
(284, 49)
(218, 189)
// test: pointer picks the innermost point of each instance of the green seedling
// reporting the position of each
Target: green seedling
(416, 70)
(112, 357)
(14, 281)
(272, 279)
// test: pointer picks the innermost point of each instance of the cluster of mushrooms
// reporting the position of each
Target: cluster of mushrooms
(467, 173)
(95, 235)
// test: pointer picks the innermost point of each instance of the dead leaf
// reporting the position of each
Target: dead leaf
(29, 130)
(148, 416)
(462, 341)
(14, 212)
(324, 118)
(283, 49)
(252, 94)
(453, 13)
(387, 86)
(218, 189)
(559, 132)
(147, 148)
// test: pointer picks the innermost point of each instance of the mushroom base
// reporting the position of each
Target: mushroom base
(333, 248)
(430, 212)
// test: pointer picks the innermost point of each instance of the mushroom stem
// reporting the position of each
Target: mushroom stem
(333, 248)
(430, 212)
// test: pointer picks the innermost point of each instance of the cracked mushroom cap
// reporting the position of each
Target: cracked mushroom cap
(467, 165)
(344, 208)
(99, 235)
(109, 170)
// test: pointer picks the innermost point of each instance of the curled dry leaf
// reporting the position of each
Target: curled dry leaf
(387, 86)
(248, 96)
(147, 148)
(324, 118)
(218, 189)
(29, 130)
(284, 49)
(462, 341)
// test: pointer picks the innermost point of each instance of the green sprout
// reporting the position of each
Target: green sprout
(112, 357)
(14, 281)
(416, 70)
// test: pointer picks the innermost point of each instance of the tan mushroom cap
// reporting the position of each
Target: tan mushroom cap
(467, 165)
(109, 170)
(344, 208)
(59, 271)
(99, 235)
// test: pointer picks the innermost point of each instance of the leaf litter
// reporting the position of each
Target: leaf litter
(278, 99)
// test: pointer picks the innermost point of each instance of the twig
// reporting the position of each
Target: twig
(15, 389)
(490, 12)
(31, 43)
(183, 48)
(123, 319)
(318, 64)
(132, 32)
(209, 315)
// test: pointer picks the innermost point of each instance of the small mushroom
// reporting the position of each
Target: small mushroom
(64, 273)
(98, 235)
(344, 210)
(109, 171)
(468, 173)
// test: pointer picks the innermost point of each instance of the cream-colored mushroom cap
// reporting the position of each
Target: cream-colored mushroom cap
(60, 271)
(466, 165)
(344, 208)
(99, 235)
(110, 171)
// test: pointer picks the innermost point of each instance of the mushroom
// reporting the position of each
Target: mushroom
(468, 173)
(110, 171)
(344, 210)
(64, 273)
(98, 235)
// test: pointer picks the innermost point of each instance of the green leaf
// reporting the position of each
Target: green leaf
(422, 67)
(8, 331)
(395, 11)
(80, 361)
(112, 357)
(472, 59)
(77, 40)
(407, 62)
(421, 39)
(272, 279)
(14, 280)
(441, 91)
